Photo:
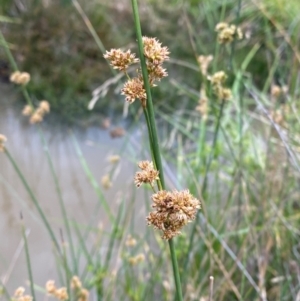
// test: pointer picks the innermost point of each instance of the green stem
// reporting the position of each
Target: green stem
(153, 138)
(28, 261)
(175, 270)
(149, 104)
(34, 200)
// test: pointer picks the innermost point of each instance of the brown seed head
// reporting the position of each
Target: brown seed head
(154, 52)
(156, 73)
(134, 89)
(14, 77)
(148, 174)
(218, 78)
(44, 106)
(50, 287)
(24, 78)
(19, 292)
(130, 241)
(226, 33)
(61, 294)
(76, 283)
(36, 117)
(119, 59)
(106, 182)
(27, 110)
(204, 62)
(172, 210)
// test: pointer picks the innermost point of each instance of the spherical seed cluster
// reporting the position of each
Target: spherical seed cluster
(130, 241)
(81, 293)
(119, 59)
(217, 80)
(19, 295)
(148, 174)
(154, 54)
(136, 259)
(59, 293)
(134, 89)
(3, 139)
(20, 78)
(172, 211)
(106, 182)
(37, 115)
(227, 33)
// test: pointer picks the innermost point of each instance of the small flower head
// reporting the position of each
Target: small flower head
(3, 139)
(113, 159)
(172, 211)
(227, 33)
(20, 78)
(204, 62)
(50, 287)
(83, 295)
(203, 104)
(156, 73)
(44, 106)
(117, 132)
(148, 174)
(19, 292)
(136, 259)
(76, 283)
(130, 241)
(36, 117)
(218, 78)
(222, 93)
(154, 52)
(106, 182)
(27, 110)
(61, 294)
(119, 59)
(134, 89)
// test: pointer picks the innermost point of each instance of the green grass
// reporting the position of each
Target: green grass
(239, 162)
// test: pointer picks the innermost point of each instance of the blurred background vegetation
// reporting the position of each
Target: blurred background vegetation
(50, 40)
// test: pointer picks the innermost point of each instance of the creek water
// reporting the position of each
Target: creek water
(25, 146)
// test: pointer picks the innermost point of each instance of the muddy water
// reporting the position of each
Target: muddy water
(82, 204)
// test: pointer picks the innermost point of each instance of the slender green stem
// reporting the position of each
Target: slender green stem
(175, 270)
(4, 291)
(153, 138)
(204, 185)
(33, 198)
(28, 261)
(8, 53)
(61, 201)
(149, 104)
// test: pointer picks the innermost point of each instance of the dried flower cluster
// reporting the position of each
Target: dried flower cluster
(20, 78)
(121, 60)
(172, 211)
(155, 55)
(130, 241)
(3, 139)
(106, 182)
(136, 259)
(202, 106)
(37, 115)
(204, 61)
(81, 293)
(148, 174)
(217, 80)
(277, 91)
(19, 295)
(59, 293)
(113, 159)
(227, 33)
